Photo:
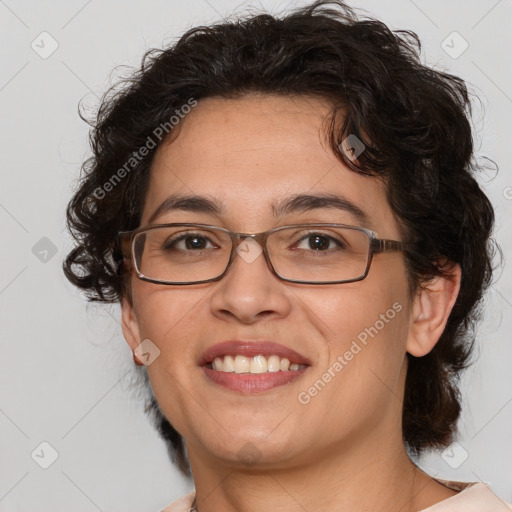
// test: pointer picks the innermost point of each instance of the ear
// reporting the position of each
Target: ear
(129, 324)
(431, 309)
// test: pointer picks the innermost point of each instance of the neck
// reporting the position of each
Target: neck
(342, 479)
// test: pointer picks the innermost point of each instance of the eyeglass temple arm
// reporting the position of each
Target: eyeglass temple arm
(379, 245)
(124, 241)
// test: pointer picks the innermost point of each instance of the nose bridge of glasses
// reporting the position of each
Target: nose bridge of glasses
(250, 251)
(239, 238)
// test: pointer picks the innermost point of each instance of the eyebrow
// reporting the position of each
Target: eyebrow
(293, 204)
(307, 202)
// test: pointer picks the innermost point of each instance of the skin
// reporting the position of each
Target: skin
(344, 449)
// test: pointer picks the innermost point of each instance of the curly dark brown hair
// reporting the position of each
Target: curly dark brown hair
(414, 121)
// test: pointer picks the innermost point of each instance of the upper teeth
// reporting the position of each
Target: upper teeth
(256, 364)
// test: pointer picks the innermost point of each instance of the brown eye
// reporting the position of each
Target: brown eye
(191, 242)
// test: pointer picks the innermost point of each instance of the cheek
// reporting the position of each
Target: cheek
(359, 310)
(363, 374)
(365, 325)
(169, 318)
(159, 308)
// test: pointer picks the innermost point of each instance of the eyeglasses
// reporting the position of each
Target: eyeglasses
(182, 254)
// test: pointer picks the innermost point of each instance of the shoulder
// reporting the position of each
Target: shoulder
(181, 505)
(472, 497)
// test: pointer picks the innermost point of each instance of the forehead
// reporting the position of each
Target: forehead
(254, 152)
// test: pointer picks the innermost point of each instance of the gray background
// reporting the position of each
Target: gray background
(66, 374)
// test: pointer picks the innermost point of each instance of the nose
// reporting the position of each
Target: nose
(249, 291)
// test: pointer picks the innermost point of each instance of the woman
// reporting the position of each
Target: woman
(287, 213)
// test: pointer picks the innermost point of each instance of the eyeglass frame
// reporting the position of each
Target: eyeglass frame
(376, 246)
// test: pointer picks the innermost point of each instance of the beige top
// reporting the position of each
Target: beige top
(473, 497)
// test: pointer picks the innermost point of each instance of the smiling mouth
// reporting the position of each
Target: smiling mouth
(253, 365)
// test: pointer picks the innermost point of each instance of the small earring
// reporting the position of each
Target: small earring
(137, 361)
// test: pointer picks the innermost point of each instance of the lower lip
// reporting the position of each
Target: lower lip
(254, 382)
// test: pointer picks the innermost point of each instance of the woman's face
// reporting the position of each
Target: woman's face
(247, 155)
